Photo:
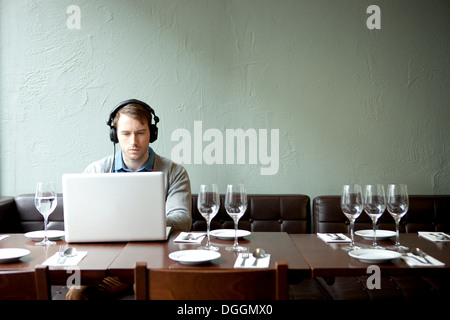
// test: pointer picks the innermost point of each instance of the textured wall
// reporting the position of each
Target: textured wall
(350, 104)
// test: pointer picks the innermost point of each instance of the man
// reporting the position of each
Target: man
(131, 127)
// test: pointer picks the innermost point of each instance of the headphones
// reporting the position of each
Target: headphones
(110, 122)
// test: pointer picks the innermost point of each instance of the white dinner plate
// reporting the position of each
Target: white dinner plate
(12, 254)
(228, 234)
(194, 256)
(374, 255)
(39, 235)
(381, 234)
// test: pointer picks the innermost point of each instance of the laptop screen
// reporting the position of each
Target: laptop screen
(114, 207)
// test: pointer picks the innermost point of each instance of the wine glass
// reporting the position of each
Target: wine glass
(208, 203)
(374, 206)
(352, 206)
(45, 201)
(235, 205)
(397, 205)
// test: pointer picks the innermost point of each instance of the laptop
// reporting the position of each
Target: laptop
(114, 207)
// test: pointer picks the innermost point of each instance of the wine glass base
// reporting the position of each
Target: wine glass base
(210, 248)
(236, 248)
(377, 247)
(46, 243)
(350, 248)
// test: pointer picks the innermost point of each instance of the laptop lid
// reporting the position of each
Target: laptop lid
(114, 207)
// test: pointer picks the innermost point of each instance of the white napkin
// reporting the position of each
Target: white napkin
(198, 237)
(416, 261)
(70, 261)
(248, 262)
(333, 237)
(3, 237)
(435, 236)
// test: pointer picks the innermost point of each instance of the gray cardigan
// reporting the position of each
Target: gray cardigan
(178, 189)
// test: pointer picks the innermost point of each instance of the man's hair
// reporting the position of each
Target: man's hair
(134, 111)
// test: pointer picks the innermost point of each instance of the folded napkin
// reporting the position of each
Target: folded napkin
(69, 261)
(190, 237)
(333, 237)
(416, 261)
(435, 236)
(248, 262)
(3, 237)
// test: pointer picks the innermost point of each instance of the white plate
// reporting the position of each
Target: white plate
(228, 234)
(381, 234)
(374, 255)
(194, 256)
(39, 235)
(12, 254)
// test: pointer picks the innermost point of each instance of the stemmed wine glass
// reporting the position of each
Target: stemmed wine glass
(374, 206)
(45, 201)
(397, 205)
(235, 205)
(208, 203)
(352, 206)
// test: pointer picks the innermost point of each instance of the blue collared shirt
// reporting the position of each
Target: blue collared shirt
(119, 165)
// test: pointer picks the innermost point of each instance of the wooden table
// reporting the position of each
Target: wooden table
(119, 259)
(156, 254)
(93, 268)
(329, 260)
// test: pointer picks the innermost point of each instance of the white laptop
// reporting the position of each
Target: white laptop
(114, 207)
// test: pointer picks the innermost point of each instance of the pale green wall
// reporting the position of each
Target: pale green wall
(351, 104)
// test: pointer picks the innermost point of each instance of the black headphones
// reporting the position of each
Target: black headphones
(110, 122)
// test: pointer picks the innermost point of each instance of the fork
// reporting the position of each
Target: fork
(245, 256)
(62, 257)
(190, 236)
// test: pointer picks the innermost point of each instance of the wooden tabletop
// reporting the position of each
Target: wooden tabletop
(93, 267)
(306, 255)
(328, 259)
(156, 254)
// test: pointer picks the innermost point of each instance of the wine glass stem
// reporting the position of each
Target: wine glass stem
(208, 223)
(235, 233)
(374, 242)
(45, 229)
(352, 227)
(397, 232)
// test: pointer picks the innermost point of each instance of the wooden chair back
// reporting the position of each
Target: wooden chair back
(211, 284)
(25, 285)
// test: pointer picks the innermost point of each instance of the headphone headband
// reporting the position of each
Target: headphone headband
(112, 115)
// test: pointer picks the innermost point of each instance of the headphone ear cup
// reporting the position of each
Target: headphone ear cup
(153, 133)
(113, 135)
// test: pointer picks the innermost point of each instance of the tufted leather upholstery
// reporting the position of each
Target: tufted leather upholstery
(285, 213)
(425, 213)
(19, 215)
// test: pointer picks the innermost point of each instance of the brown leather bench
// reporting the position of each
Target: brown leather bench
(19, 215)
(426, 213)
(276, 213)
(285, 213)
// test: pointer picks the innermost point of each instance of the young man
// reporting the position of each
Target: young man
(131, 127)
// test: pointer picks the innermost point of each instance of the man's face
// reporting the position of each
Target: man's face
(134, 138)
